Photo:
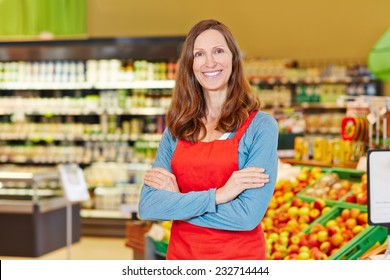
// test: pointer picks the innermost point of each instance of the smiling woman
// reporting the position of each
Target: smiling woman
(215, 189)
(212, 62)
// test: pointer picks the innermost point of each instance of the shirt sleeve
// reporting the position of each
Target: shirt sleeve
(258, 148)
(158, 204)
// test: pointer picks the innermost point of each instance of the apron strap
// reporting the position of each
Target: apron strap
(241, 130)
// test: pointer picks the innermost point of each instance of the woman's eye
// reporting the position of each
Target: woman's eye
(197, 54)
(219, 51)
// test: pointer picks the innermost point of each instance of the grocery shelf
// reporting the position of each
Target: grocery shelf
(44, 86)
(310, 80)
(84, 137)
(322, 105)
(103, 222)
(162, 84)
(318, 163)
(98, 213)
(146, 111)
(92, 48)
(158, 84)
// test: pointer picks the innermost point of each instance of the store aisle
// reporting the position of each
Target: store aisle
(89, 248)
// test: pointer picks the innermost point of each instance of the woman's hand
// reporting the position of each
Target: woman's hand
(247, 178)
(160, 178)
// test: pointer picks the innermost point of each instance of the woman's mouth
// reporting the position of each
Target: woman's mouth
(212, 74)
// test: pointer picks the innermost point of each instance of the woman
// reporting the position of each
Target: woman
(208, 175)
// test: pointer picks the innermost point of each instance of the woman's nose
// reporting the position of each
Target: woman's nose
(210, 60)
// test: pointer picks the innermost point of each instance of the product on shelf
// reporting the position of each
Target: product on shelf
(90, 71)
(328, 151)
(114, 185)
(323, 122)
(354, 129)
(290, 120)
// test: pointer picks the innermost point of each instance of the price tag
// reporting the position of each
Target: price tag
(378, 186)
(362, 164)
(371, 118)
(73, 183)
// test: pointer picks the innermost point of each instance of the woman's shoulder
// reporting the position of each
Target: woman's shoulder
(168, 138)
(264, 120)
(262, 125)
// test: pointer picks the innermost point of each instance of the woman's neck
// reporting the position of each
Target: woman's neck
(214, 104)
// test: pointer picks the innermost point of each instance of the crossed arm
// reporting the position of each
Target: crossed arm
(239, 205)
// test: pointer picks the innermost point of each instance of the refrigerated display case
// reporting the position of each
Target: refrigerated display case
(33, 211)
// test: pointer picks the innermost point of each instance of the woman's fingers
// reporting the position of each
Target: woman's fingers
(252, 176)
(154, 178)
(253, 169)
(162, 171)
(161, 178)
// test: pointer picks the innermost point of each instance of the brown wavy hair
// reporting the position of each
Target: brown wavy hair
(188, 106)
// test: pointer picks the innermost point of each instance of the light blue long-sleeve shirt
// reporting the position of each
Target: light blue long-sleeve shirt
(257, 148)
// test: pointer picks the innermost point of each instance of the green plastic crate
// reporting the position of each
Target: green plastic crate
(161, 247)
(323, 169)
(360, 243)
(344, 204)
(351, 175)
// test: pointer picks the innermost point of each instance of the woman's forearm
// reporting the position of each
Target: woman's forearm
(158, 204)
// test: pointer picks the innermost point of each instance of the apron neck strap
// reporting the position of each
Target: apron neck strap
(241, 130)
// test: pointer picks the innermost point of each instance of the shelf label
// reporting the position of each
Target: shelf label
(362, 164)
(73, 183)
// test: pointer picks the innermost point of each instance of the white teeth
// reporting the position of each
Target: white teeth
(211, 74)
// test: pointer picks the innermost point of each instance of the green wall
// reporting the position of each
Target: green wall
(29, 18)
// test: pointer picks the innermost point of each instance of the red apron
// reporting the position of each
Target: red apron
(199, 167)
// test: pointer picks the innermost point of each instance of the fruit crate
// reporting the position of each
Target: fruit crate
(323, 169)
(343, 204)
(161, 247)
(361, 203)
(360, 243)
(357, 246)
(350, 175)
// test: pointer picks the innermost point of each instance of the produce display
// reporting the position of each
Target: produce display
(282, 226)
(329, 187)
(324, 223)
(321, 239)
(291, 180)
(358, 192)
(322, 220)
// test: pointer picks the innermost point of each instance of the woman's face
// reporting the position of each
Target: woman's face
(212, 60)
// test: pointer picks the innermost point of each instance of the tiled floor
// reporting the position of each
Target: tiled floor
(89, 248)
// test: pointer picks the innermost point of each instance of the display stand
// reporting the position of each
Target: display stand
(75, 189)
(378, 183)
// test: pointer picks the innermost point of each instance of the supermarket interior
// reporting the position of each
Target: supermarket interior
(84, 90)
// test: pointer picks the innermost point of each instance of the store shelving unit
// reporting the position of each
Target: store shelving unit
(310, 99)
(78, 100)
